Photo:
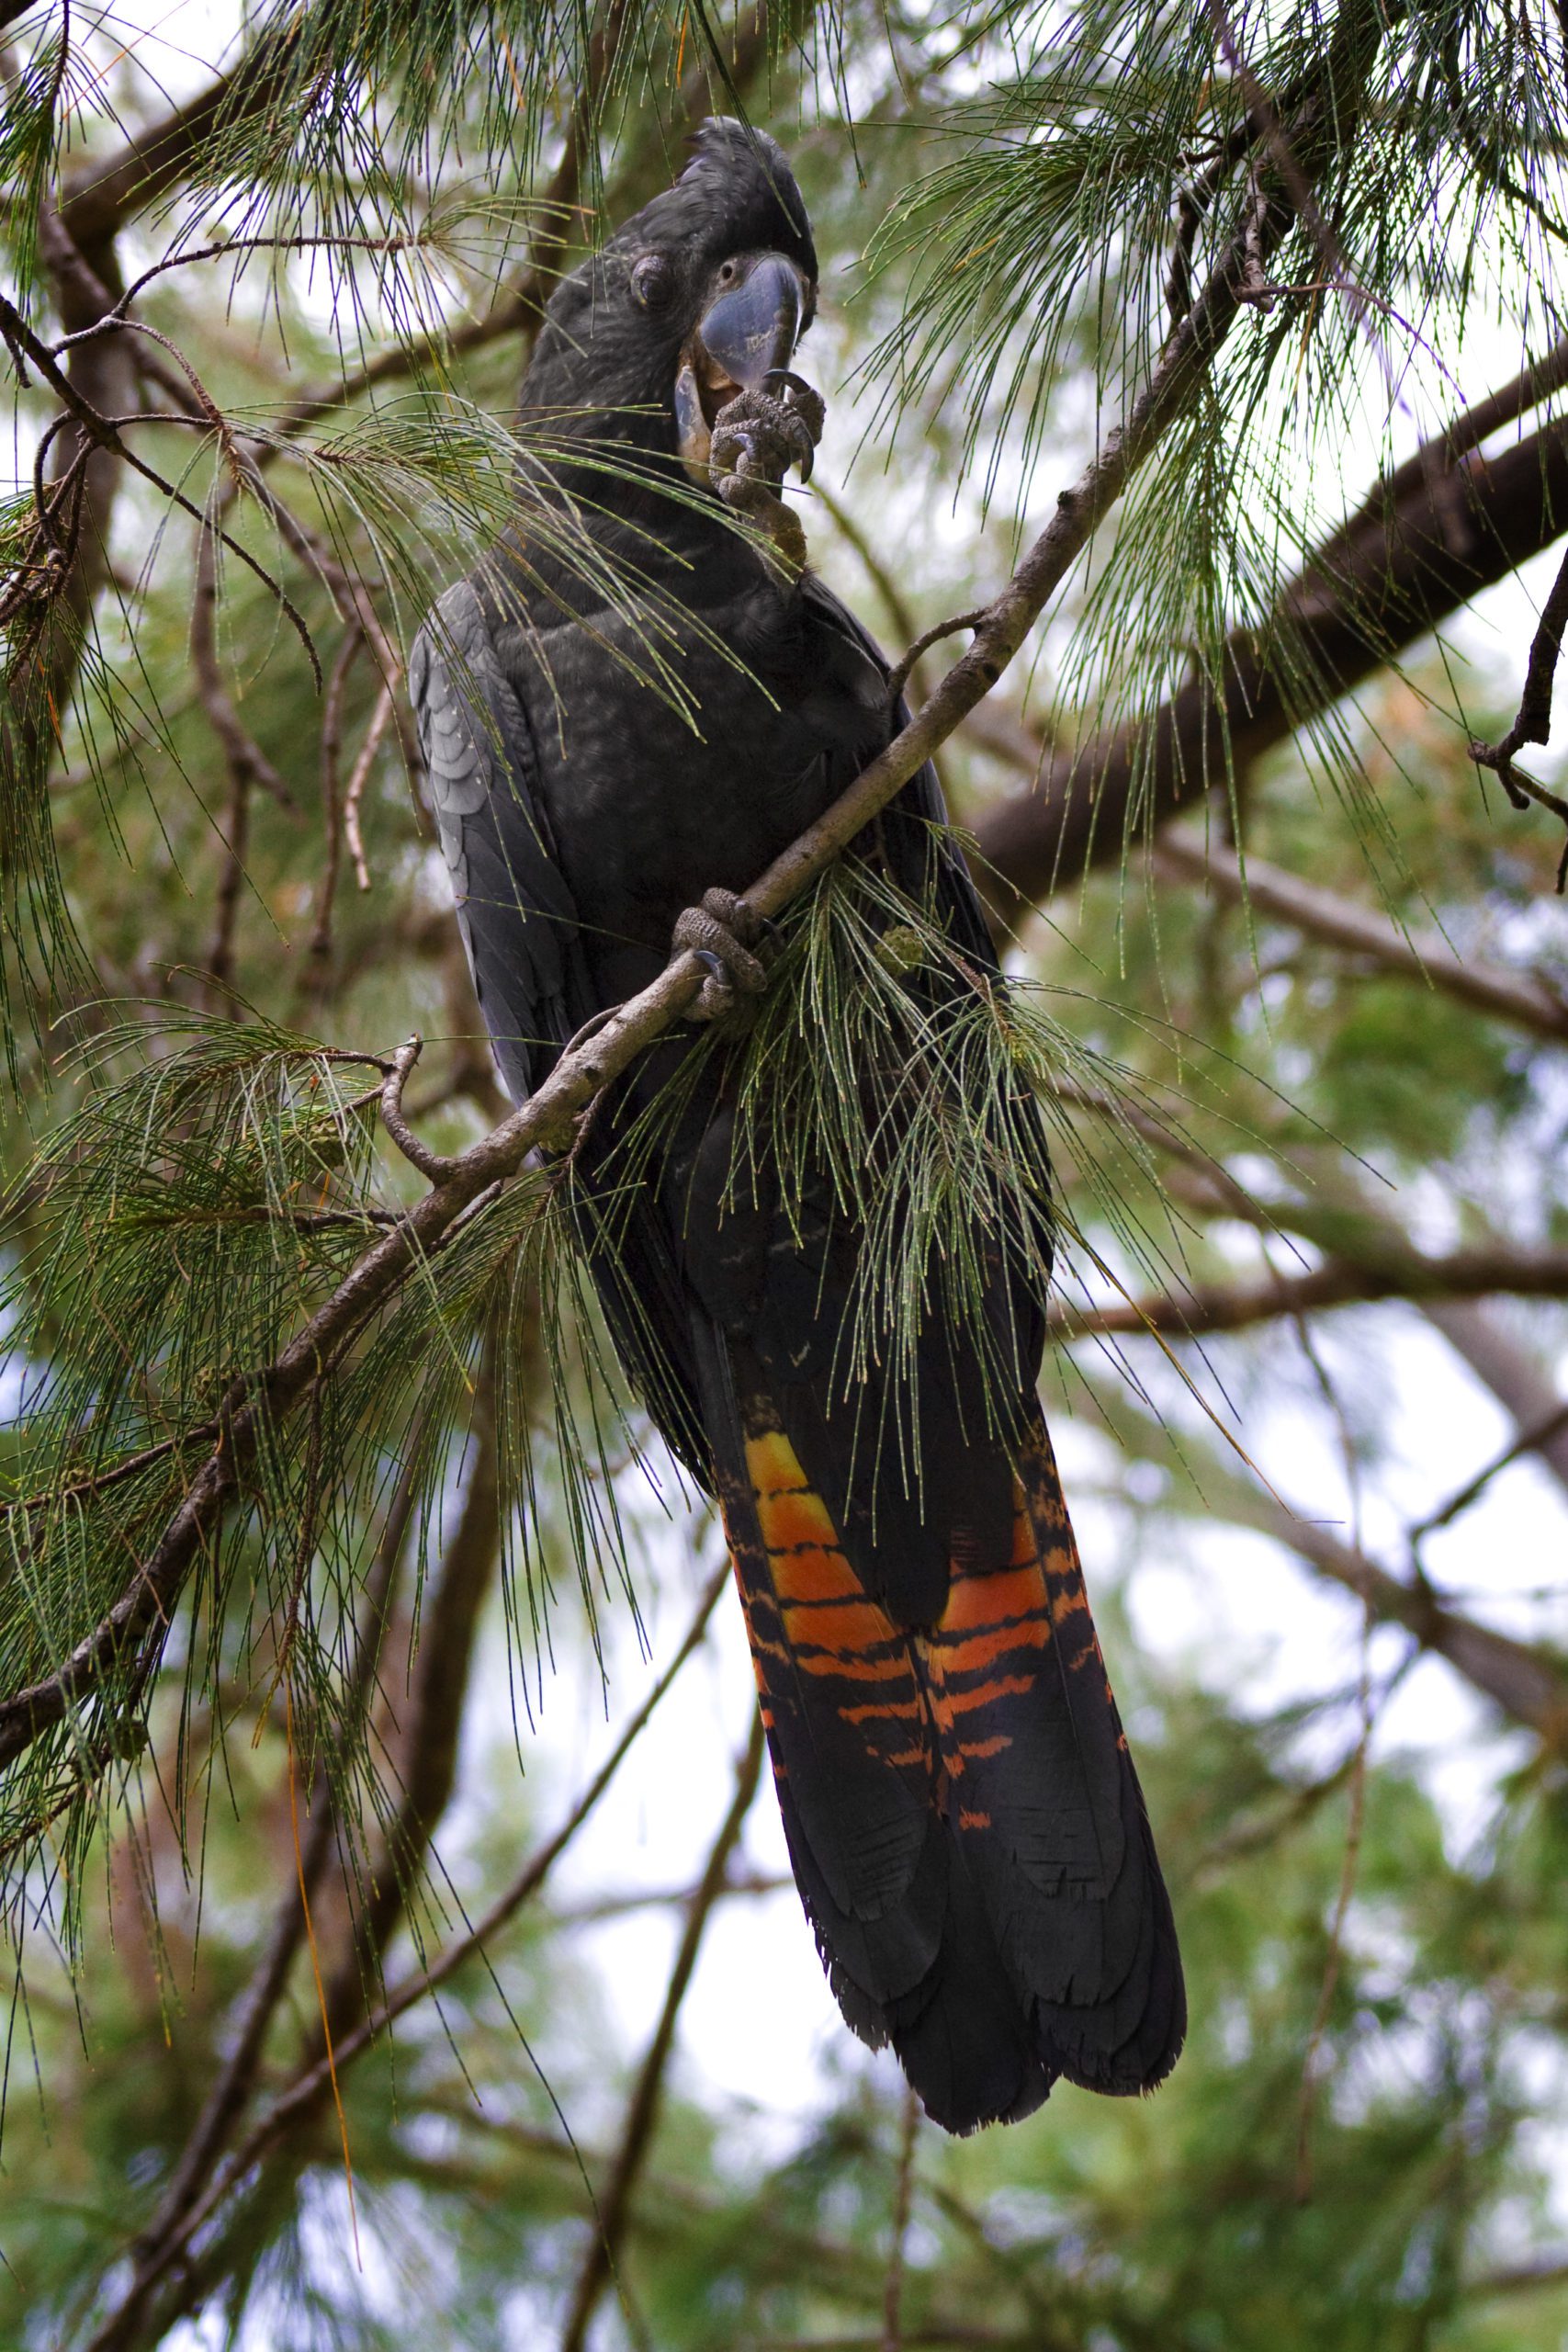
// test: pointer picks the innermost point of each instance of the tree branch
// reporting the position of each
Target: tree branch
(1526, 1684)
(226, 2101)
(124, 2327)
(429, 1741)
(1514, 1374)
(1424, 543)
(1351, 1229)
(1402, 1273)
(615, 2200)
(96, 203)
(1427, 956)
(520, 309)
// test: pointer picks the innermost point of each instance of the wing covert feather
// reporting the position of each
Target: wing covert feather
(516, 915)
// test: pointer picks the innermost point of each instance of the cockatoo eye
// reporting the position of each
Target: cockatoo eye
(653, 282)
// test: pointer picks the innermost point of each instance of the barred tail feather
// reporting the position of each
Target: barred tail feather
(1047, 1805)
(963, 1817)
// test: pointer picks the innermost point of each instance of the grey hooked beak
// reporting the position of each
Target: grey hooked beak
(753, 326)
(747, 333)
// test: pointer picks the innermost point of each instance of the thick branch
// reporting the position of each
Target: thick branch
(1420, 547)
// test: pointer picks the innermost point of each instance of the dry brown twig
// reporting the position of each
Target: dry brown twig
(359, 774)
(601, 2261)
(1533, 722)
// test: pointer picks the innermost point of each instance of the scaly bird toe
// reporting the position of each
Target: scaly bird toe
(734, 944)
(756, 439)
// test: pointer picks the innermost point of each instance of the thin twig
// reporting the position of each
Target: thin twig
(1533, 724)
(221, 954)
(360, 774)
(244, 753)
(226, 2100)
(1525, 1442)
(319, 968)
(615, 2200)
(428, 1734)
(419, 1155)
(1524, 1682)
(898, 677)
(903, 2188)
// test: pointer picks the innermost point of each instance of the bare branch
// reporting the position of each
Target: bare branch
(1520, 2279)
(1420, 546)
(315, 979)
(221, 954)
(1533, 724)
(615, 2200)
(904, 668)
(1518, 997)
(1350, 1228)
(359, 775)
(1400, 1272)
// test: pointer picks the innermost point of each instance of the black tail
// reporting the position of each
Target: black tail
(964, 1822)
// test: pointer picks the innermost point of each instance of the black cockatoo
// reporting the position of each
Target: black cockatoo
(963, 1815)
